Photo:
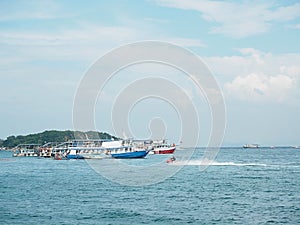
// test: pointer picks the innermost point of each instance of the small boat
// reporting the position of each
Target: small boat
(251, 146)
(170, 160)
(162, 147)
(74, 155)
(59, 156)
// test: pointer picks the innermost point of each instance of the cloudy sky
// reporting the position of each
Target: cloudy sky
(251, 47)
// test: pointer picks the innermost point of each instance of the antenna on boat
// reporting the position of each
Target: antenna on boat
(124, 135)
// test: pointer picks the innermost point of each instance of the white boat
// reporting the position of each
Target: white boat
(98, 149)
(79, 149)
(29, 150)
(251, 146)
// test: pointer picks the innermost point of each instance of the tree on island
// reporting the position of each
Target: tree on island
(53, 136)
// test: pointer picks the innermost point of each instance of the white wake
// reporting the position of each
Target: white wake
(213, 163)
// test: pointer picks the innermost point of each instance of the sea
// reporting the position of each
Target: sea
(241, 186)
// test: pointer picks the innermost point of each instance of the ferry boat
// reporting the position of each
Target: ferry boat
(98, 149)
(29, 150)
(127, 149)
(79, 149)
(162, 147)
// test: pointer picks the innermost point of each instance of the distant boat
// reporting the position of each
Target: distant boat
(251, 146)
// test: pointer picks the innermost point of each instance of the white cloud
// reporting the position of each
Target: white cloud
(258, 76)
(238, 19)
(85, 43)
(251, 61)
(261, 87)
(84, 34)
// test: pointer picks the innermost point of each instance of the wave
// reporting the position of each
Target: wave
(214, 163)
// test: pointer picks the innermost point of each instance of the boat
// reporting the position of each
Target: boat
(79, 149)
(29, 150)
(45, 150)
(251, 146)
(74, 155)
(98, 149)
(162, 147)
(59, 156)
(130, 155)
(170, 160)
(131, 150)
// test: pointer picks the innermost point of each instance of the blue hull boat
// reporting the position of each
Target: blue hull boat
(130, 155)
(74, 157)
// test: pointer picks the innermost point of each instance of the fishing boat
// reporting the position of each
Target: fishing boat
(162, 147)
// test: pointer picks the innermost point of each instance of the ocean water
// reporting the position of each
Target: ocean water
(254, 186)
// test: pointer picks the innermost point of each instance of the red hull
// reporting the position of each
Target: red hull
(165, 151)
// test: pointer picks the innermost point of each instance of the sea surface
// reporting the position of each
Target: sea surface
(242, 186)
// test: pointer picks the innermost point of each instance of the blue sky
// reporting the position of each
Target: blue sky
(252, 48)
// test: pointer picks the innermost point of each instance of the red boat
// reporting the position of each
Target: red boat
(163, 148)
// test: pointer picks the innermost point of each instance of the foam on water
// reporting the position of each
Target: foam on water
(214, 163)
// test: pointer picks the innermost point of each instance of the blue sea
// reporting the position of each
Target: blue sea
(242, 186)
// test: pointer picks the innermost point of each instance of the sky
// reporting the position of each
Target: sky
(251, 47)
